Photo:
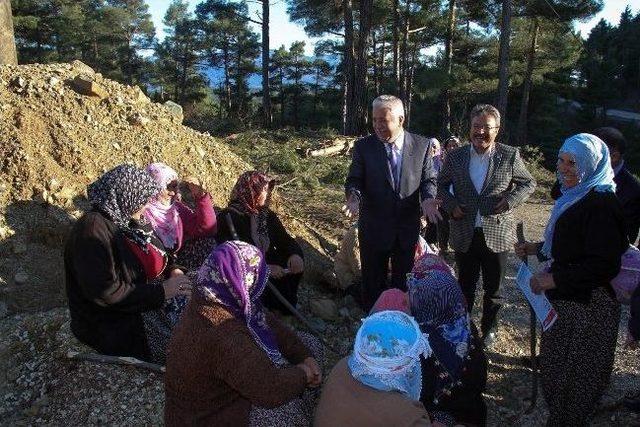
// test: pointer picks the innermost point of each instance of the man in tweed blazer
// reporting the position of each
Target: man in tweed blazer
(480, 184)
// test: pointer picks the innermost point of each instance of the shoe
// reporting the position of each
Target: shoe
(632, 402)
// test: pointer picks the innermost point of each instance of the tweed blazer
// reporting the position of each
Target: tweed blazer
(507, 176)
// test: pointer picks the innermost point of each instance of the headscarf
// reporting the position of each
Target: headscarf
(386, 353)
(392, 299)
(594, 172)
(439, 307)
(164, 219)
(234, 276)
(430, 262)
(121, 192)
(244, 200)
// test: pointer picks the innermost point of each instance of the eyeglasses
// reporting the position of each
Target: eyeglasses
(485, 127)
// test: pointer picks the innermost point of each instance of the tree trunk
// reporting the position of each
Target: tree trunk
(382, 62)
(374, 55)
(503, 62)
(409, 94)
(282, 98)
(349, 69)
(526, 85)
(361, 69)
(227, 82)
(396, 46)
(448, 58)
(8, 54)
(267, 118)
(404, 67)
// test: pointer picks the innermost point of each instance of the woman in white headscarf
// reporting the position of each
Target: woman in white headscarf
(379, 384)
(584, 241)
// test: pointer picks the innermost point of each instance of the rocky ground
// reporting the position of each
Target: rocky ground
(62, 125)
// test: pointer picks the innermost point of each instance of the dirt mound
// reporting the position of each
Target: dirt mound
(62, 125)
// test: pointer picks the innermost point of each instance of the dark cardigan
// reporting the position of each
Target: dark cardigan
(216, 371)
(588, 240)
(107, 289)
(282, 245)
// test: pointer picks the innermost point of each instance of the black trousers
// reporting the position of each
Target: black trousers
(493, 266)
(375, 269)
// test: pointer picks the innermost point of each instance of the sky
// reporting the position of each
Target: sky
(284, 32)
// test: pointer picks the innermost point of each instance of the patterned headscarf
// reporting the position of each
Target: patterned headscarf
(430, 262)
(164, 219)
(439, 307)
(392, 299)
(386, 353)
(594, 172)
(244, 200)
(120, 193)
(234, 276)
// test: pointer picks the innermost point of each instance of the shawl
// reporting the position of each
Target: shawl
(165, 219)
(244, 200)
(386, 353)
(121, 192)
(440, 309)
(594, 172)
(234, 276)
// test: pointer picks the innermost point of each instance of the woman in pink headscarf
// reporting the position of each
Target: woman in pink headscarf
(173, 221)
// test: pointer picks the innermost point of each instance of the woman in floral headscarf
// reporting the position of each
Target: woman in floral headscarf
(228, 358)
(379, 383)
(108, 258)
(255, 223)
(584, 241)
(456, 376)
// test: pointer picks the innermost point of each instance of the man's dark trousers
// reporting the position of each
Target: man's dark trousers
(493, 266)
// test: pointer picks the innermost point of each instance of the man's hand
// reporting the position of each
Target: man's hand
(352, 206)
(458, 212)
(525, 249)
(501, 207)
(295, 264)
(541, 282)
(430, 210)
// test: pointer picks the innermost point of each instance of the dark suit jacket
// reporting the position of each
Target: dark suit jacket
(628, 193)
(385, 215)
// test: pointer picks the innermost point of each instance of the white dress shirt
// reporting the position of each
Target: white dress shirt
(478, 169)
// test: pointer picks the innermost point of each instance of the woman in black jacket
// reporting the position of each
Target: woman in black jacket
(109, 260)
(584, 240)
(249, 217)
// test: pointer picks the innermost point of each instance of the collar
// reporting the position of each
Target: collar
(398, 142)
(618, 168)
(488, 153)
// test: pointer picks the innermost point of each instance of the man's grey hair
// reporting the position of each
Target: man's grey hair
(486, 109)
(389, 102)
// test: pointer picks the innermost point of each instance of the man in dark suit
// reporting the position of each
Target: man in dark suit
(480, 184)
(391, 181)
(627, 185)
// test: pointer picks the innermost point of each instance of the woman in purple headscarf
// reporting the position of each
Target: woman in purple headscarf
(228, 358)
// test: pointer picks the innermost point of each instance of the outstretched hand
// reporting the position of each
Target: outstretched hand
(501, 207)
(351, 208)
(430, 210)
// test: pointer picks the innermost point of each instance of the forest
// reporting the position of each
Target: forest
(440, 56)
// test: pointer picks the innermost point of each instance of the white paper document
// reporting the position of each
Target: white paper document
(545, 312)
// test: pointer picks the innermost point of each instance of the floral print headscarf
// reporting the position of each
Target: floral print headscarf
(386, 353)
(234, 276)
(120, 193)
(439, 307)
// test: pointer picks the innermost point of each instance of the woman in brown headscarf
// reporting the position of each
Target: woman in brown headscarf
(249, 215)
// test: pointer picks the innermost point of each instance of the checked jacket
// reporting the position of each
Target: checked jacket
(507, 176)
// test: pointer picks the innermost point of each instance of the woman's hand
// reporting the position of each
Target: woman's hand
(525, 249)
(316, 373)
(295, 264)
(176, 272)
(541, 282)
(195, 186)
(178, 285)
(276, 271)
